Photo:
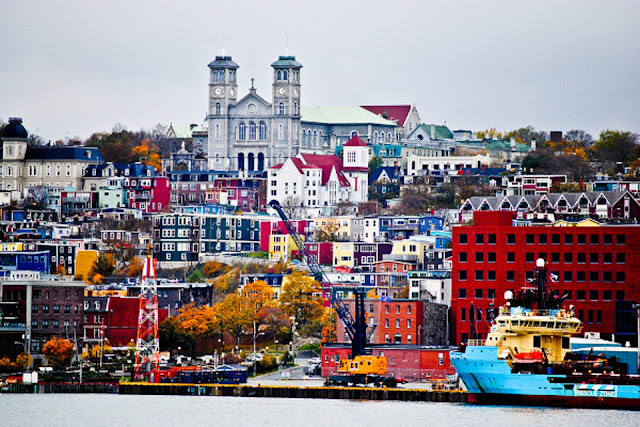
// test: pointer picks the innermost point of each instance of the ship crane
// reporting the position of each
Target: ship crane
(356, 326)
(148, 341)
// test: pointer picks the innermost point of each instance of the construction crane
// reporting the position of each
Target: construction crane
(356, 326)
(148, 341)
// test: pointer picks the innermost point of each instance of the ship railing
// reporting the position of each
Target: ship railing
(475, 342)
(522, 311)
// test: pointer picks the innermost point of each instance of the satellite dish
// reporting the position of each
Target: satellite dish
(540, 263)
(508, 295)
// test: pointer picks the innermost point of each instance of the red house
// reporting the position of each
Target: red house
(148, 193)
(597, 268)
(267, 228)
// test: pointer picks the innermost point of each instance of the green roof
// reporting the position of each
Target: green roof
(286, 61)
(505, 145)
(440, 132)
(351, 114)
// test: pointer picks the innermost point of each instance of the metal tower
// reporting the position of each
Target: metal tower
(148, 342)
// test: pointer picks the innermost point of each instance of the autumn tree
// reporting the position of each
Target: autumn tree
(617, 146)
(329, 321)
(234, 315)
(147, 153)
(134, 269)
(301, 298)
(328, 232)
(211, 268)
(58, 352)
(528, 134)
(104, 265)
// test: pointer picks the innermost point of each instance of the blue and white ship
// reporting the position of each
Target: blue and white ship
(526, 360)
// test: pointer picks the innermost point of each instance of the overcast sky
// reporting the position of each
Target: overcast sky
(71, 68)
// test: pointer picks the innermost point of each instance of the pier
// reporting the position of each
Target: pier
(295, 392)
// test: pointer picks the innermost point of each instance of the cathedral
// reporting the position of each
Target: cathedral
(251, 134)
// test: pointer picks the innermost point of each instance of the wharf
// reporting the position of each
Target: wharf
(296, 392)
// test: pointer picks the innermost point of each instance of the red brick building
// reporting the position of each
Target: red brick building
(597, 268)
(122, 320)
(401, 321)
(413, 363)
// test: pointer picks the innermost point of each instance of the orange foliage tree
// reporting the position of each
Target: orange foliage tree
(147, 153)
(58, 351)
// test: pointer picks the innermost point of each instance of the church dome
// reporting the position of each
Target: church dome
(14, 130)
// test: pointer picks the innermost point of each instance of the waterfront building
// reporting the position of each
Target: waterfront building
(405, 116)
(596, 268)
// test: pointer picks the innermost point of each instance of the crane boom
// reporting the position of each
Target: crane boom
(356, 327)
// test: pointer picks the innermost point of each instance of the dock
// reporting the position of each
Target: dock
(294, 392)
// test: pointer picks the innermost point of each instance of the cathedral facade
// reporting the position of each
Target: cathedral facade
(251, 134)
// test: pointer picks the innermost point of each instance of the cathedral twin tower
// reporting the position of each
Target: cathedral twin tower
(252, 134)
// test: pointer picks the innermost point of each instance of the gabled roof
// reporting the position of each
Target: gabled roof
(351, 114)
(398, 113)
(439, 132)
(327, 163)
(253, 94)
(392, 173)
(356, 141)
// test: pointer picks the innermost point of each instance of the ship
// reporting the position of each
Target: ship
(527, 360)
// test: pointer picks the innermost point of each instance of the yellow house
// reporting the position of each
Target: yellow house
(11, 246)
(588, 222)
(343, 254)
(84, 262)
(412, 250)
(280, 247)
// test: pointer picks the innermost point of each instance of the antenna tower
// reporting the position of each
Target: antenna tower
(148, 341)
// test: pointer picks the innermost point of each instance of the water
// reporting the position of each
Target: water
(127, 410)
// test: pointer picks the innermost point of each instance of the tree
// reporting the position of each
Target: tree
(198, 321)
(300, 298)
(617, 146)
(36, 198)
(103, 265)
(121, 252)
(292, 207)
(195, 277)
(328, 232)
(577, 138)
(58, 352)
(134, 269)
(528, 134)
(234, 315)
(211, 268)
(329, 319)
(257, 295)
(173, 335)
(374, 164)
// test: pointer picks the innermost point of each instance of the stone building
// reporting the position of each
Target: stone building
(251, 133)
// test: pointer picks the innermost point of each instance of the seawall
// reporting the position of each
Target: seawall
(296, 392)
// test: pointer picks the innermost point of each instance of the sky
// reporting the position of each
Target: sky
(71, 68)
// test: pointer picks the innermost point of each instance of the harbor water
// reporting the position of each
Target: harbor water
(131, 410)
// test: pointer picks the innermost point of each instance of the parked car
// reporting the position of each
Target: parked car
(314, 361)
(254, 357)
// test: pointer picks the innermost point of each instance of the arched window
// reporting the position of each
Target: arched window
(68, 170)
(48, 170)
(375, 137)
(251, 162)
(295, 108)
(217, 133)
(281, 109)
(285, 75)
(252, 131)
(232, 75)
(57, 170)
(389, 137)
(242, 131)
(262, 134)
(354, 133)
(279, 75)
(260, 161)
(315, 138)
(218, 109)
(304, 137)
(241, 161)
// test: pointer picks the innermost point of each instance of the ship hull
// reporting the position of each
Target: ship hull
(490, 380)
(554, 401)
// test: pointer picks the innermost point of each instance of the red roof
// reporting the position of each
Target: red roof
(327, 163)
(390, 112)
(356, 141)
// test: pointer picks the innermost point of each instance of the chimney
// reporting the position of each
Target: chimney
(534, 146)
(513, 144)
(433, 132)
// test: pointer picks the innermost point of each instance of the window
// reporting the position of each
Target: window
(530, 239)
(594, 239)
(242, 131)
(620, 258)
(479, 275)
(511, 276)
(218, 109)
(593, 276)
(463, 315)
(462, 275)
(580, 295)
(593, 295)
(593, 258)
(568, 239)
(281, 109)
(555, 257)
(479, 239)
(462, 257)
(568, 258)
(491, 257)
(280, 132)
(252, 131)
(580, 276)
(262, 132)
(620, 239)
(408, 323)
(491, 238)
(397, 309)
(581, 239)
(408, 309)
(529, 257)
(479, 256)
(511, 257)
(542, 239)
(511, 239)
(397, 323)
(606, 295)
(463, 239)
(462, 293)
(386, 308)
(619, 276)
(567, 276)
(386, 323)
(607, 258)
(479, 294)
(582, 257)
(491, 275)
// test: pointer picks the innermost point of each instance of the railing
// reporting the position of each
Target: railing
(475, 342)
